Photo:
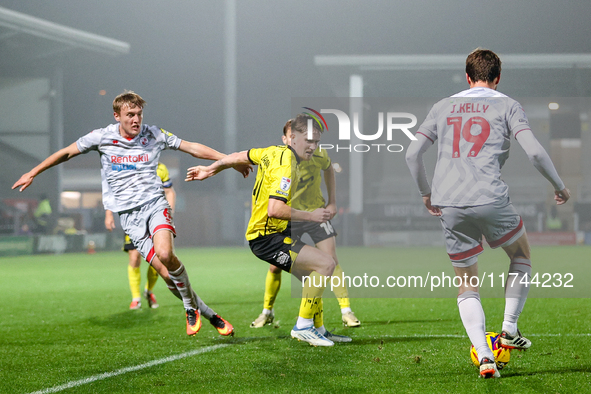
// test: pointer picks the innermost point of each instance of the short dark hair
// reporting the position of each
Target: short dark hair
(300, 124)
(129, 98)
(287, 127)
(483, 65)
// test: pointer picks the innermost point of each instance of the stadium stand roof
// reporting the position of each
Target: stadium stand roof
(24, 37)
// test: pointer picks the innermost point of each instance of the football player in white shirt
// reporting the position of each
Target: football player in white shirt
(129, 153)
(474, 129)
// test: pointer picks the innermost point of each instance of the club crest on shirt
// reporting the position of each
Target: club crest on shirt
(144, 141)
(285, 184)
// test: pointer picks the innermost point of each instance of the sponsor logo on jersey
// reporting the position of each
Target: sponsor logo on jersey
(123, 167)
(115, 141)
(126, 163)
(129, 159)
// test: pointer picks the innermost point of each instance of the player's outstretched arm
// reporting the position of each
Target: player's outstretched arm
(541, 160)
(58, 157)
(280, 210)
(200, 173)
(201, 151)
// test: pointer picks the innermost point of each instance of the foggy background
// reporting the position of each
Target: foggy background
(176, 63)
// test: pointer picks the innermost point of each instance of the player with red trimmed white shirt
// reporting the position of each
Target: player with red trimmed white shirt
(129, 153)
(473, 130)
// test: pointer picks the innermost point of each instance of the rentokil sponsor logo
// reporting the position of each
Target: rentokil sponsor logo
(395, 122)
(123, 163)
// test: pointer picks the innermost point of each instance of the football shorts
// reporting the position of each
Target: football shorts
(143, 222)
(464, 228)
(317, 231)
(127, 244)
(277, 249)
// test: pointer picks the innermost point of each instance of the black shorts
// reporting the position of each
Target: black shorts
(127, 244)
(277, 249)
(317, 231)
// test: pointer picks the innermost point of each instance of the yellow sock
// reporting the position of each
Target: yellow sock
(272, 286)
(341, 291)
(311, 295)
(152, 278)
(319, 315)
(135, 279)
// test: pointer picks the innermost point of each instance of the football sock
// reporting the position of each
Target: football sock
(204, 310)
(321, 330)
(304, 323)
(472, 316)
(341, 291)
(516, 291)
(135, 279)
(183, 285)
(152, 278)
(345, 310)
(312, 290)
(272, 286)
(319, 315)
(267, 311)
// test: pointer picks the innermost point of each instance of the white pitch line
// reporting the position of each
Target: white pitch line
(465, 336)
(128, 369)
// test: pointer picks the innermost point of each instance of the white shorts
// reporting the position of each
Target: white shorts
(143, 222)
(464, 227)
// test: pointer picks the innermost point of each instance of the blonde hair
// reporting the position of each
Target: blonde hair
(129, 98)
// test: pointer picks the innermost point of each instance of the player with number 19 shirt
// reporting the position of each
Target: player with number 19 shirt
(474, 129)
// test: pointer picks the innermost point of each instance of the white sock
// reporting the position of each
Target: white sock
(516, 293)
(304, 323)
(321, 330)
(472, 316)
(183, 285)
(346, 310)
(267, 311)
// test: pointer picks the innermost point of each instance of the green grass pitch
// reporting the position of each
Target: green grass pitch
(64, 319)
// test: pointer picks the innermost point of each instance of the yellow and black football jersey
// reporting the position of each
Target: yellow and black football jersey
(274, 180)
(308, 193)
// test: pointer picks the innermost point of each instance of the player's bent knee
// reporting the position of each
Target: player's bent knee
(519, 249)
(327, 266)
(167, 257)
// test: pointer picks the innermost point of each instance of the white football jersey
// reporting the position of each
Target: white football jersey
(128, 167)
(473, 129)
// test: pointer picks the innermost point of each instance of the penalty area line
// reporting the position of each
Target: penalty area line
(122, 371)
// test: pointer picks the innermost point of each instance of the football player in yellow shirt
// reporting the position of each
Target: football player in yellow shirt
(268, 230)
(133, 269)
(307, 197)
